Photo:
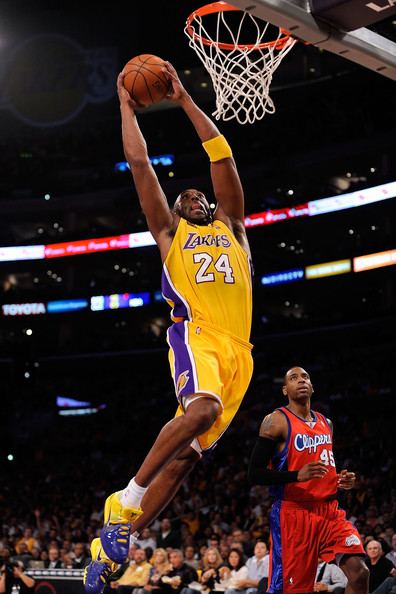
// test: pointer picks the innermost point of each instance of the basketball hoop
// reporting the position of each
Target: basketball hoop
(241, 72)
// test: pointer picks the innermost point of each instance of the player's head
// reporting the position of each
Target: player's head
(297, 384)
(193, 206)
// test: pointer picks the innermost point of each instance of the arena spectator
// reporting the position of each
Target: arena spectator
(54, 561)
(392, 554)
(13, 576)
(178, 576)
(134, 574)
(382, 571)
(225, 550)
(28, 540)
(214, 541)
(192, 521)
(80, 556)
(330, 578)
(146, 539)
(160, 567)
(212, 565)
(233, 572)
(22, 554)
(258, 567)
(168, 538)
(190, 556)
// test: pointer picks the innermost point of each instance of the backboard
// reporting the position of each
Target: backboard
(322, 27)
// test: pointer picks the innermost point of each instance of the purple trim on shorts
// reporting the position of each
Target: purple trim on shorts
(251, 269)
(183, 360)
(207, 451)
(180, 307)
(276, 584)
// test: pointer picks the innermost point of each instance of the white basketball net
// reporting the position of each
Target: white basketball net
(241, 75)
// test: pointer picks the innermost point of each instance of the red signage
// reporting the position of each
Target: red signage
(86, 246)
(274, 216)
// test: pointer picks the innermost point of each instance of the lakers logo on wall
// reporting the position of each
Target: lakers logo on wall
(182, 381)
(50, 78)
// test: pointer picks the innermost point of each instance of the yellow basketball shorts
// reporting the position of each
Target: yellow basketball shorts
(209, 361)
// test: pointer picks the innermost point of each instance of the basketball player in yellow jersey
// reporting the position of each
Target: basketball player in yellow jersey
(207, 281)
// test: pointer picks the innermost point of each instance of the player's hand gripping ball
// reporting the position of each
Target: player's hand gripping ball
(145, 80)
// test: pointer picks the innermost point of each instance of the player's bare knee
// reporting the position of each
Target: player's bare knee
(360, 579)
(185, 461)
(357, 572)
(201, 414)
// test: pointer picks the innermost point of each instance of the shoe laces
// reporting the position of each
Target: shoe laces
(106, 571)
(123, 532)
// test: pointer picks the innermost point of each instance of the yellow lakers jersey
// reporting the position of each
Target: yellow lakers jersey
(207, 277)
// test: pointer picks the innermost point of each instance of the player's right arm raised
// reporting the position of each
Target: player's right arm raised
(151, 196)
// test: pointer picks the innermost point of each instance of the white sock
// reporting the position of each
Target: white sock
(133, 538)
(132, 495)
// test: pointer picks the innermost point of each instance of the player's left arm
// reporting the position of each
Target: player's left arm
(227, 185)
(345, 479)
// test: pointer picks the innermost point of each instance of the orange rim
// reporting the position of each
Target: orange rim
(224, 7)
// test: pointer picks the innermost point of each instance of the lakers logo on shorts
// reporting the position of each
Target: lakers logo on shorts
(181, 381)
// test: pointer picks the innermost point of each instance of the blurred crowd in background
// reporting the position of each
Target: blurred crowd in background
(53, 491)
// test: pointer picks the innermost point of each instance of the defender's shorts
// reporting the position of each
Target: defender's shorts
(208, 361)
(301, 532)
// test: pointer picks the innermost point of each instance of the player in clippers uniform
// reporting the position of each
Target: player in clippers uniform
(294, 454)
(207, 281)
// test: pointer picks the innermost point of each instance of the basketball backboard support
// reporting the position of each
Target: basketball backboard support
(362, 46)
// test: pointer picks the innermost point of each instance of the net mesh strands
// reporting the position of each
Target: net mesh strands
(241, 72)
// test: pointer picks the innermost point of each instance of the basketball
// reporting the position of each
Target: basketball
(144, 79)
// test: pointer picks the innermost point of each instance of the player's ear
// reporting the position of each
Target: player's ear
(176, 205)
(284, 390)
